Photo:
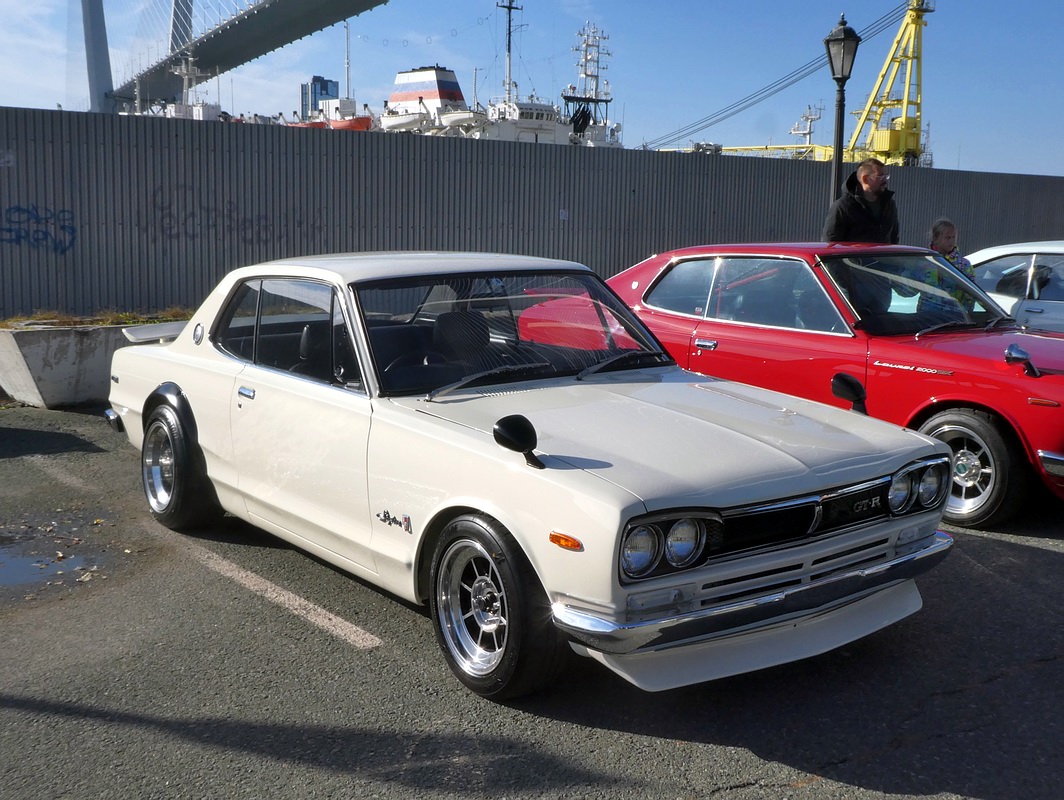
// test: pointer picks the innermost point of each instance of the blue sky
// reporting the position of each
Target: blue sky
(993, 74)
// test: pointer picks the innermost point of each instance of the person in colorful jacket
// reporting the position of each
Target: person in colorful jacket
(944, 241)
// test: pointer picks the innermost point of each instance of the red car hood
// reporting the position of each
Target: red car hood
(1045, 348)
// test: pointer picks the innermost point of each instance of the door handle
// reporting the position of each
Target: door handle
(706, 344)
(246, 393)
(1030, 310)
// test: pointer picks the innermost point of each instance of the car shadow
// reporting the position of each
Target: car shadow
(234, 531)
(368, 754)
(1040, 517)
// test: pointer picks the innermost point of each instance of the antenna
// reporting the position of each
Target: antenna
(510, 8)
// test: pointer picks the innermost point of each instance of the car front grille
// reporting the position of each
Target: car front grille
(801, 518)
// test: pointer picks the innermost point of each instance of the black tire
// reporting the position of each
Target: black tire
(491, 615)
(178, 493)
(990, 475)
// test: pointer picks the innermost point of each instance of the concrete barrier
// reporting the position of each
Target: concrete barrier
(52, 367)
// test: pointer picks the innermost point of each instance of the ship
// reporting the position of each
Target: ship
(429, 101)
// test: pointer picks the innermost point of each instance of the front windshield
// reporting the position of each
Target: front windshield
(910, 294)
(433, 334)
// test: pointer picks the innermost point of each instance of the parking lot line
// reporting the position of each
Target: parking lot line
(316, 615)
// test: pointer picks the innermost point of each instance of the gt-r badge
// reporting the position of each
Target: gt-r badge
(866, 505)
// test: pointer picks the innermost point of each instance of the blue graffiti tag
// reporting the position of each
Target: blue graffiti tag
(39, 227)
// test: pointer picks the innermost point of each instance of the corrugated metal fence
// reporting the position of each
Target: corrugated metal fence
(104, 212)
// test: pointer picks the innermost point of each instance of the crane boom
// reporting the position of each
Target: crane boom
(889, 127)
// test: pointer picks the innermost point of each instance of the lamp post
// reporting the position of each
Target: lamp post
(841, 45)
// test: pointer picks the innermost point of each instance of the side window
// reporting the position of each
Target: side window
(294, 326)
(236, 332)
(684, 288)
(814, 309)
(758, 291)
(1048, 283)
(1007, 275)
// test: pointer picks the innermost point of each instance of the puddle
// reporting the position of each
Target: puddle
(18, 570)
(46, 552)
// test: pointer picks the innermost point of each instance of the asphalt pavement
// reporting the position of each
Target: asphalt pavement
(137, 662)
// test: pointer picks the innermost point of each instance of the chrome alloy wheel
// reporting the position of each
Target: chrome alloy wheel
(473, 609)
(157, 466)
(974, 474)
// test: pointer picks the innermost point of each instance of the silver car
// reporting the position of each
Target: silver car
(1026, 279)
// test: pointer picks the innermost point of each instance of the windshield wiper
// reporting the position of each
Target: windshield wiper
(620, 358)
(998, 320)
(503, 369)
(953, 323)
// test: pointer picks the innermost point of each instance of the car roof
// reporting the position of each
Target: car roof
(353, 267)
(801, 249)
(1018, 248)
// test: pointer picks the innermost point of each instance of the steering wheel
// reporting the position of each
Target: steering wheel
(414, 359)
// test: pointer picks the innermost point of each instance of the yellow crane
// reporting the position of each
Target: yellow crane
(889, 127)
(890, 122)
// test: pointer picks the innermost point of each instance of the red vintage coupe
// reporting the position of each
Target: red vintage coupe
(931, 349)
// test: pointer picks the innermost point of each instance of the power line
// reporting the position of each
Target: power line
(885, 22)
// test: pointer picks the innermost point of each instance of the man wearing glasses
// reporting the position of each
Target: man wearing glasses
(865, 212)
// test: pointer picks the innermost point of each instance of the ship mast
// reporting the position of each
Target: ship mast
(510, 9)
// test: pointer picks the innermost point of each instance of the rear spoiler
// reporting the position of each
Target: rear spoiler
(160, 332)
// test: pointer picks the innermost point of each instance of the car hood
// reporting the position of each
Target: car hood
(674, 438)
(1046, 348)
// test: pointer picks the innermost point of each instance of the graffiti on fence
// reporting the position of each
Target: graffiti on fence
(38, 227)
(179, 212)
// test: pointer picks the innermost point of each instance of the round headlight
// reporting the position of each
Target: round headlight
(641, 551)
(683, 543)
(901, 490)
(932, 485)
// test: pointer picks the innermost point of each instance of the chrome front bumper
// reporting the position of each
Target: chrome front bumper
(114, 421)
(839, 589)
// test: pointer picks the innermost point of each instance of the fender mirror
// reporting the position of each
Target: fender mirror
(846, 387)
(517, 433)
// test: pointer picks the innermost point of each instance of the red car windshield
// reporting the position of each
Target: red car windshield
(910, 294)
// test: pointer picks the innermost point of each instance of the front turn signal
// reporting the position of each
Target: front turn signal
(566, 542)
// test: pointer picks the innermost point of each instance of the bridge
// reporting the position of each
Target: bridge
(199, 50)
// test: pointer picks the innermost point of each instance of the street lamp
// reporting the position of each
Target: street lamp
(841, 45)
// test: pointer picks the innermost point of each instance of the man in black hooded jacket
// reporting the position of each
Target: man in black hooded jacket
(865, 212)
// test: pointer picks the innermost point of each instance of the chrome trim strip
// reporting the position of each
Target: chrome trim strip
(608, 636)
(1052, 463)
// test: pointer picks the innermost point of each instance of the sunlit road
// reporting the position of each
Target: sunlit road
(229, 665)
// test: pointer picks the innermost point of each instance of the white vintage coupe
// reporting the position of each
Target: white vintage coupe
(498, 436)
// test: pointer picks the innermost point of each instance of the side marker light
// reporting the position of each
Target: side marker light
(566, 542)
